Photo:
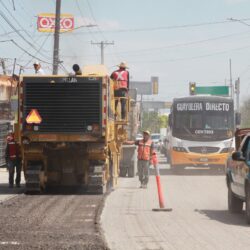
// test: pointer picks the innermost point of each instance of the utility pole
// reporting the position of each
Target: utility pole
(3, 66)
(237, 114)
(56, 38)
(102, 45)
(237, 90)
(231, 79)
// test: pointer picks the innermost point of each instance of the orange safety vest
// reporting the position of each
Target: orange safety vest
(121, 79)
(13, 150)
(144, 150)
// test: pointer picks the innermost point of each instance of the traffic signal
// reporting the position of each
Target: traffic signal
(192, 87)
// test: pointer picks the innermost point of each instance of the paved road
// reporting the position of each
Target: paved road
(199, 219)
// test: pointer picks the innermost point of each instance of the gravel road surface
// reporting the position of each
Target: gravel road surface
(51, 221)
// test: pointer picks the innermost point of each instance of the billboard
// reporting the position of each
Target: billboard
(156, 105)
(146, 88)
(143, 88)
(154, 80)
(46, 22)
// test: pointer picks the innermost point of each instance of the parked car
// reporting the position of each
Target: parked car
(238, 174)
(138, 137)
(156, 138)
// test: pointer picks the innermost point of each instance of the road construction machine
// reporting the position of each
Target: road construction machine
(68, 132)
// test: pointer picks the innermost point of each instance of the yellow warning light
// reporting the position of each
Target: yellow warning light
(192, 87)
(34, 117)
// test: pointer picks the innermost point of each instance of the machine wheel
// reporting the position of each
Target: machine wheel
(123, 172)
(235, 204)
(32, 178)
(248, 203)
(131, 171)
(110, 183)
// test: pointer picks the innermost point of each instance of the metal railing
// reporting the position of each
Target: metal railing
(4, 129)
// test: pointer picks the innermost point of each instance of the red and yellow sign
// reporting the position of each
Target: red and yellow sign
(46, 22)
(34, 117)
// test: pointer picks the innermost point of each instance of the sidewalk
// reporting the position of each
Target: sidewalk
(6, 192)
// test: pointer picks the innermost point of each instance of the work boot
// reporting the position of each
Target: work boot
(18, 185)
(10, 185)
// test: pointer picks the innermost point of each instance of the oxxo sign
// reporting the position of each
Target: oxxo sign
(46, 22)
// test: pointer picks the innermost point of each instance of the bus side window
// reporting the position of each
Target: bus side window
(246, 147)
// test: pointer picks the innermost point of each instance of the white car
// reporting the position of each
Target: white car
(138, 137)
(156, 138)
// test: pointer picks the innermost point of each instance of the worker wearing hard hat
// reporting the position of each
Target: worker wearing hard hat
(121, 78)
(38, 68)
(145, 153)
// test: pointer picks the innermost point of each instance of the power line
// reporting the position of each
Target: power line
(20, 35)
(171, 27)
(28, 53)
(40, 48)
(82, 15)
(8, 33)
(13, 17)
(42, 45)
(28, 11)
(100, 30)
(92, 14)
(102, 45)
(194, 57)
(139, 51)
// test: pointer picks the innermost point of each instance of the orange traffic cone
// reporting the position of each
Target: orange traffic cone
(154, 161)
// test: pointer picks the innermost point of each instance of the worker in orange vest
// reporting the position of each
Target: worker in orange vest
(13, 160)
(121, 78)
(145, 153)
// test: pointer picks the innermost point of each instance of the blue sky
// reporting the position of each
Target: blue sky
(146, 35)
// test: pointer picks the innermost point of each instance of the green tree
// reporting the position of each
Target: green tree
(245, 114)
(152, 121)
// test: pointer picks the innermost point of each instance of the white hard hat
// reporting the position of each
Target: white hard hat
(36, 63)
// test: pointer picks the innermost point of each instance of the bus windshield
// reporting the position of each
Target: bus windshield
(203, 121)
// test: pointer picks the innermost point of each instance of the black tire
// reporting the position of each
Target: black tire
(131, 171)
(248, 203)
(123, 172)
(235, 204)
